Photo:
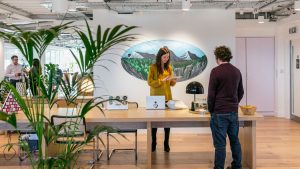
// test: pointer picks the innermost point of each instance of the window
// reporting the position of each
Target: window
(9, 51)
(63, 57)
(56, 55)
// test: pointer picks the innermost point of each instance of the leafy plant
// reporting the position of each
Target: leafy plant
(72, 87)
(38, 109)
(103, 41)
(49, 85)
(3, 91)
(33, 42)
(37, 116)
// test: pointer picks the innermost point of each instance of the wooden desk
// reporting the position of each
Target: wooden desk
(79, 98)
(146, 119)
(60, 101)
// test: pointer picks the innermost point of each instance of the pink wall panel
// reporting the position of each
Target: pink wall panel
(260, 73)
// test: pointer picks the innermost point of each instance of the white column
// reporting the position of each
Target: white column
(43, 60)
(2, 60)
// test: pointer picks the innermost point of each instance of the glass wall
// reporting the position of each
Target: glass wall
(62, 57)
(9, 51)
(56, 55)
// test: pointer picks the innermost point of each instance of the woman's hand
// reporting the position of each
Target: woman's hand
(173, 80)
(26, 70)
(165, 79)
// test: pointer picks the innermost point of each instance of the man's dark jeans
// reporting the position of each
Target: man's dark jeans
(223, 124)
(14, 82)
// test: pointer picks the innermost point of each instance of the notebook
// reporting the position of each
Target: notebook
(155, 102)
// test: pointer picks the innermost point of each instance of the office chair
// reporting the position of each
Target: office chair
(75, 133)
(110, 152)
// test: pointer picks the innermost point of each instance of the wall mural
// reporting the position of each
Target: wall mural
(187, 60)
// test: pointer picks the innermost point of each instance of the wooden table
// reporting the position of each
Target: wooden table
(60, 101)
(146, 119)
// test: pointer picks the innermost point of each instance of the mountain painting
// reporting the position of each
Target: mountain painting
(187, 60)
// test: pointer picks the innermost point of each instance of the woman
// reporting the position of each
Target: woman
(159, 82)
(34, 74)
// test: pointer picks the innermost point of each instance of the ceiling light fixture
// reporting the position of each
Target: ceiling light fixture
(72, 6)
(241, 11)
(255, 11)
(261, 19)
(60, 6)
(186, 5)
(297, 5)
(8, 19)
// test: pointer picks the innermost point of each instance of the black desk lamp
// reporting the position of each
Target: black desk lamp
(194, 88)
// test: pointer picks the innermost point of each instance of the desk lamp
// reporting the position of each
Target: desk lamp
(194, 88)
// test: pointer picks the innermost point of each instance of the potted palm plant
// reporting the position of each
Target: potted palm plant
(37, 110)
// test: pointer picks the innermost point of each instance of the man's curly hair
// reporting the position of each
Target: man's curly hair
(223, 53)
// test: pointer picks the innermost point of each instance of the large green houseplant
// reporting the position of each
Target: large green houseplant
(33, 44)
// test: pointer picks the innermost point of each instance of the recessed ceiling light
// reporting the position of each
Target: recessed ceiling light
(72, 6)
(241, 11)
(297, 5)
(186, 5)
(60, 6)
(261, 19)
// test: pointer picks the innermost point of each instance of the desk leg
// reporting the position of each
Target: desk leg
(44, 142)
(248, 143)
(149, 142)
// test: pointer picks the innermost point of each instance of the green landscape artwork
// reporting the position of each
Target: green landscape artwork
(187, 60)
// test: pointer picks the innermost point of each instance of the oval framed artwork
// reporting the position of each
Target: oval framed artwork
(187, 60)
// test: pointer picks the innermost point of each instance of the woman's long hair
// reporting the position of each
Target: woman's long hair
(162, 51)
(37, 65)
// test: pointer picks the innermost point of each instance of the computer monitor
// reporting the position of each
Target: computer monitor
(155, 102)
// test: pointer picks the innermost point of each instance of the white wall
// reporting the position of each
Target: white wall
(279, 30)
(207, 32)
(250, 28)
(295, 77)
(2, 69)
(204, 29)
(283, 52)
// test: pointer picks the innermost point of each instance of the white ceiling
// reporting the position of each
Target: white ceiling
(40, 11)
(33, 14)
(31, 6)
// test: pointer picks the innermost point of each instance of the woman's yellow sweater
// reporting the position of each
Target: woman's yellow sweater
(157, 87)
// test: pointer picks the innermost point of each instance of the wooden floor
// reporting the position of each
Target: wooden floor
(278, 147)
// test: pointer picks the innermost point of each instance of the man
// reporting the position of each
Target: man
(225, 91)
(14, 71)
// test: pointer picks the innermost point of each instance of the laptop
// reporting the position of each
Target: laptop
(155, 102)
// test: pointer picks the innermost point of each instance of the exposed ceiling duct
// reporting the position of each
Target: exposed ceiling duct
(35, 11)
(85, 7)
(276, 7)
(18, 12)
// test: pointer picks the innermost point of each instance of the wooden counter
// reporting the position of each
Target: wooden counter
(148, 119)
